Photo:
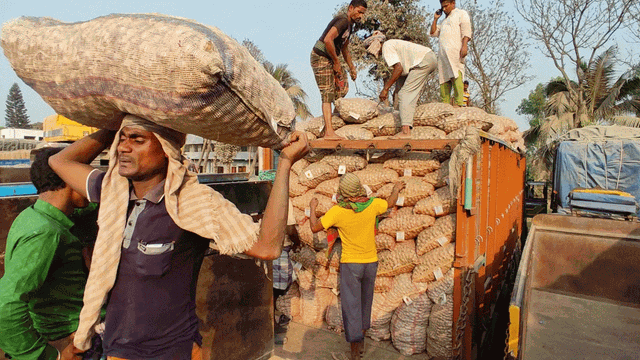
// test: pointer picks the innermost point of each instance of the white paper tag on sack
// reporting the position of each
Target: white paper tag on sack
(308, 174)
(380, 127)
(354, 115)
(367, 189)
(307, 212)
(400, 201)
(335, 291)
(442, 299)
(443, 241)
(342, 169)
(407, 172)
(407, 300)
(334, 198)
(438, 210)
(438, 274)
(400, 236)
(321, 128)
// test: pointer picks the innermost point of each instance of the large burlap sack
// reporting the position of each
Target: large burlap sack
(433, 265)
(405, 227)
(427, 133)
(440, 177)
(304, 255)
(316, 173)
(431, 114)
(442, 232)
(316, 125)
(409, 325)
(402, 259)
(328, 188)
(384, 125)
(415, 190)
(313, 305)
(315, 240)
(384, 304)
(322, 258)
(299, 166)
(295, 188)
(354, 132)
(289, 303)
(440, 328)
(173, 71)
(318, 277)
(302, 202)
(347, 162)
(385, 242)
(383, 284)
(457, 134)
(299, 216)
(466, 116)
(413, 164)
(440, 287)
(356, 111)
(439, 204)
(375, 176)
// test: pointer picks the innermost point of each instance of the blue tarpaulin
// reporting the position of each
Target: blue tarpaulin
(608, 164)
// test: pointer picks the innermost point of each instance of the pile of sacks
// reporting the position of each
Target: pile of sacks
(413, 299)
(362, 119)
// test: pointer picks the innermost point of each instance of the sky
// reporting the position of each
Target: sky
(285, 31)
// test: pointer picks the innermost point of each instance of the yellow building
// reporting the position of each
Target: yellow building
(58, 128)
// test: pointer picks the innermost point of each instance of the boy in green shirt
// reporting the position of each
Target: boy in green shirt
(45, 271)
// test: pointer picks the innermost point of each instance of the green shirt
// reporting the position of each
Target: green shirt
(41, 291)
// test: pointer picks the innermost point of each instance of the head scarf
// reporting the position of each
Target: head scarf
(194, 207)
(374, 42)
(351, 193)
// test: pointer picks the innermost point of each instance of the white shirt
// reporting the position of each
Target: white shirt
(451, 31)
(406, 53)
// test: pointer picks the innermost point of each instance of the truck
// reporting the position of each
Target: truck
(576, 293)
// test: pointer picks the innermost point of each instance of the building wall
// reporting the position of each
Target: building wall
(193, 150)
(23, 134)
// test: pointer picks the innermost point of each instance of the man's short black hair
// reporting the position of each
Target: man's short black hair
(466, 82)
(356, 3)
(42, 177)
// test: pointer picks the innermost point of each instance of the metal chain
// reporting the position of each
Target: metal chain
(506, 344)
(464, 312)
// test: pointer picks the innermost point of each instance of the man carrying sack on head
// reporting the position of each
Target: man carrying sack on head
(355, 218)
(326, 64)
(156, 221)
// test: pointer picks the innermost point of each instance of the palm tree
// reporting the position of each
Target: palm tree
(608, 100)
(291, 85)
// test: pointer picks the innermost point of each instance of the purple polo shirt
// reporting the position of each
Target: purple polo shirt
(151, 310)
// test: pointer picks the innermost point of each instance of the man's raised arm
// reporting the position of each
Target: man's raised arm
(71, 164)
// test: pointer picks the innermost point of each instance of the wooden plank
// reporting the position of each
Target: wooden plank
(561, 326)
(405, 144)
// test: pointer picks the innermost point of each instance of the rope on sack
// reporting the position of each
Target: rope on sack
(469, 146)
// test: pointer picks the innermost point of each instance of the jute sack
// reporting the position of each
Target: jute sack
(383, 284)
(295, 188)
(316, 173)
(315, 240)
(466, 116)
(457, 134)
(173, 71)
(409, 325)
(384, 125)
(385, 242)
(439, 234)
(384, 304)
(299, 165)
(431, 114)
(346, 162)
(405, 227)
(440, 328)
(427, 133)
(440, 177)
(289, 303)
(302, 202)
(313, 305)
(356, 111)
(439, 204)
(436, 289)
(413, 164)
(402, 259)
(333, 316)
(415, 190)
(316, 125)
(354, 132)
(305, 255)
(433, 265)
(375, 176)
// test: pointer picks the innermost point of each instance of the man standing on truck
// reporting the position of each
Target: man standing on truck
(355, 218)
(326, 65)
(156, 222)
(411, 65)
(45, 272)
(454, 33)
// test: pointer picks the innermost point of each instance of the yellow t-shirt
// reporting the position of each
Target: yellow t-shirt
(357, 231)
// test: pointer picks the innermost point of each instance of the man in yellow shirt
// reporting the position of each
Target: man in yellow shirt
(355, 218)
